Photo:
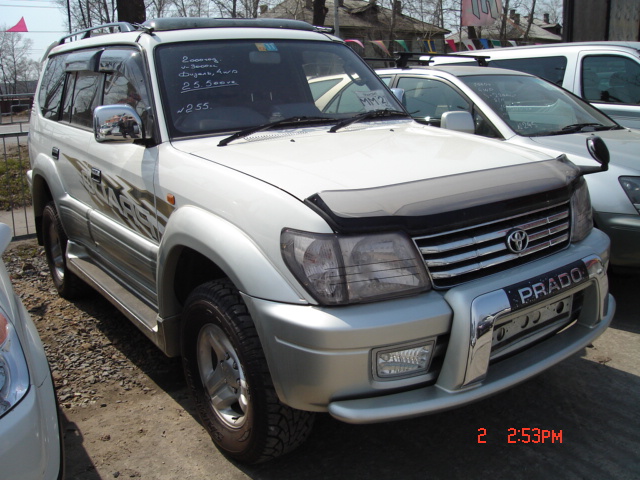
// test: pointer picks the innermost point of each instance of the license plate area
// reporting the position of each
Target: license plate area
(533, 324)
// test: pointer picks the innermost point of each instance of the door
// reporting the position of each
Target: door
(114, 180)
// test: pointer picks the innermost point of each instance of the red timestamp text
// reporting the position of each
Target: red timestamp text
(526, 435)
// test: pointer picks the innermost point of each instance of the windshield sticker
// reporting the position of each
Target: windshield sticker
(373, 100)
(266, 47)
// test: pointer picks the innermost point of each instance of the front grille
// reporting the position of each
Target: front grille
(463, 255)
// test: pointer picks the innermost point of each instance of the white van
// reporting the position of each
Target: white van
(607, 74)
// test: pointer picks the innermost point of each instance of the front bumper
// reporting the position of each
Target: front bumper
(624, 232)
(321, 358)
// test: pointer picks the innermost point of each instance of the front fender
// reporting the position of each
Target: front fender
(44, 180)
(225, 245)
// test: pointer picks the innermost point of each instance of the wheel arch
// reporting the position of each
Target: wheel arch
(198, 246)
(41, 196)
(46, 186)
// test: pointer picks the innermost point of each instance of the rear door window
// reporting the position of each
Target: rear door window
(81, 98)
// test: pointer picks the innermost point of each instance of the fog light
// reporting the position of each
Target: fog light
(405, 362)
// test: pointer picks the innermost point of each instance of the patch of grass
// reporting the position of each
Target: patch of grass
(14, 191)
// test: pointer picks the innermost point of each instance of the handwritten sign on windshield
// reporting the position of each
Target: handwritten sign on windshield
(201, 73)
(373, 100)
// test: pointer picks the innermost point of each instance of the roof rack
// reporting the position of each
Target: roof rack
(183, 23)
(403, 58)
(480, 59)
(87, 32)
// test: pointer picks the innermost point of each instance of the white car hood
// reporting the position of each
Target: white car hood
(623, 145)
(305, 161)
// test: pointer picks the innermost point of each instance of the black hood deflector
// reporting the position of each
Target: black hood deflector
(447, 203)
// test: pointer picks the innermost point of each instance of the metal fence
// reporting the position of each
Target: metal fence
(15, 198)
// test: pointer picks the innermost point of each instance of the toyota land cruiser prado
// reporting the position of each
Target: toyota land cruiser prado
(304, 252)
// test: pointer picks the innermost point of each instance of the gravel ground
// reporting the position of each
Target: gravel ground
(127, 412)
(87, 342)
(123, 402)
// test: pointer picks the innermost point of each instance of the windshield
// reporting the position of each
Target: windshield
(533, 107)
(225, 86)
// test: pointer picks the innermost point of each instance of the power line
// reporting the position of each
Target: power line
(30, 6)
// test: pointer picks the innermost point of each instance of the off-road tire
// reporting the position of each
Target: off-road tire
(246, 420)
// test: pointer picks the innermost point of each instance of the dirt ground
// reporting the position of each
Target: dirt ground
(127, 412)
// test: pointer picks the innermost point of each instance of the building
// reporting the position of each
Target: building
(372, 30)
(540, 31)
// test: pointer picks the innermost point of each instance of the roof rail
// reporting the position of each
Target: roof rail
(183, 23)
(87, 32)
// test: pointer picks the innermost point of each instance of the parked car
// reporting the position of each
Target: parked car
(525, 110)
(30, 434)
(300, 255)
(607, 74)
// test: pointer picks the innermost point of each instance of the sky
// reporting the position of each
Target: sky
(45, 21)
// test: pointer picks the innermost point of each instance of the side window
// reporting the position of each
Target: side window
(319, 88)
(549, 68)
(125, 80)
(425, 97)
(611, 78)
(51, 86)
(81, 97)
(347, 100)
(92, 78)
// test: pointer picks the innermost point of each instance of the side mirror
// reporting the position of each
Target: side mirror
(600, 153)
(117, 123)
(458, 121)
(399, 93)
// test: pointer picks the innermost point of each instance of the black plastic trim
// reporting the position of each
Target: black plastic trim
(441, 204)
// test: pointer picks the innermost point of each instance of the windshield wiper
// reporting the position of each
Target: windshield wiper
(266, 126)
(580, 127)
(366, 115)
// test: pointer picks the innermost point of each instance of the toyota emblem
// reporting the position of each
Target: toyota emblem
(517, 240)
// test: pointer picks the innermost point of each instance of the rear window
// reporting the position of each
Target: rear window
(549, 68)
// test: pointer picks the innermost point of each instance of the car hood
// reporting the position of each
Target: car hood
(305, 161)
(623, 146)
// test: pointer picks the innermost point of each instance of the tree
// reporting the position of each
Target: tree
(319, 12)
(89, 13)
(132, 11)
(16, 68)
(531, 14)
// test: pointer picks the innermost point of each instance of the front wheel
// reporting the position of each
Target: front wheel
(227, 374)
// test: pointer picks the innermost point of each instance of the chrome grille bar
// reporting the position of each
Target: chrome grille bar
(458, 256)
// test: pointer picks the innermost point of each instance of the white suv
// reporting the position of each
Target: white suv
(256, 200)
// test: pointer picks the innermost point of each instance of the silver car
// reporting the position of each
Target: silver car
(30, 439)
(525, 110)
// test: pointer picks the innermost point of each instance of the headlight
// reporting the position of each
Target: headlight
(581, 213)
(631, 186)
(338, 269)
(14, 375)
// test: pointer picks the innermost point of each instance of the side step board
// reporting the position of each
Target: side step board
(164, 333)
